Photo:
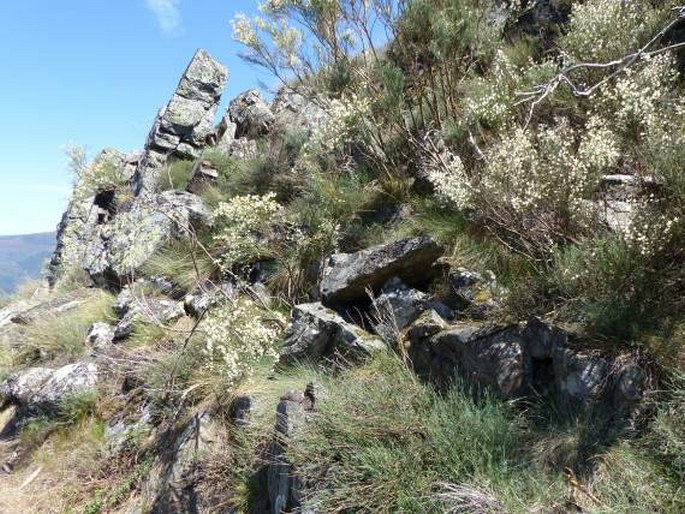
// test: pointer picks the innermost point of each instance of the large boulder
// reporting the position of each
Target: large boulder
(528, 359)
(43, 390)
(171, 485)
(347, 277)
(186, 124)
(294, 111)
(251, 114)
(489, 357)
(316, 332)
(110, 250)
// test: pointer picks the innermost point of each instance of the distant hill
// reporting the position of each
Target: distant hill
(22, 257)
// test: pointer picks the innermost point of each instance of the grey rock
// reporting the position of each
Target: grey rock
(251, 114)
(53, 306)
(148, 310)
(204, 175)
(316, 332)
(283, 484)
(100, 335)
(122, 434)
(243, 149)
(346, 277)
(11, 311)
(112, 251)
(208, 295)
(487, 357)
(41, 390)
(66, 381)
(528, 359)
(224, 134)
(473, 293)
(398, 306)
(171, 484)
(425, 327)
(20, 388)
(185, 125)
(241, 410)
(580, 377)
(293, 111)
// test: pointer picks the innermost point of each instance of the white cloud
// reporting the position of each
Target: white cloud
(167, 14)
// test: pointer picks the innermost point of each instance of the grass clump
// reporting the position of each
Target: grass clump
(176, 175)
(61, 338)
(184, 263)
(383, 442)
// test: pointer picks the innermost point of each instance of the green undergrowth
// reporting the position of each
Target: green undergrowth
(60, 338)
(382, 442)
(379, 440)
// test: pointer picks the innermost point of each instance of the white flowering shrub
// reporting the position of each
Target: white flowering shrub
(240, 336)
(244, 223)
(603, 30)
(347, 123)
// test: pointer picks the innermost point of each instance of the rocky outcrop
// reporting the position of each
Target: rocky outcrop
(133, 309)
(347, 277)
(316, 332)
(293, 111)
(284, 486)
(100, 336)
(171, 485)
(111, 250)
(109, 231)
(43, 390)
(527, 359)
(251, 115)
(185, 125)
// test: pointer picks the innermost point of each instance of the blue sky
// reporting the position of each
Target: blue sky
(93, 73)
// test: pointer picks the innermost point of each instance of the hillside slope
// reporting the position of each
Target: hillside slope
(443, 275)
(22, 257)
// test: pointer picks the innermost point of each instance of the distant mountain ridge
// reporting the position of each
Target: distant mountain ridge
(22, 258)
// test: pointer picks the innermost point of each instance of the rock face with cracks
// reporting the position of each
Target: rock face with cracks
(317, 332)
(183, 128)
(347, 277)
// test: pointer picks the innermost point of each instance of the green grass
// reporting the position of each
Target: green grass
(176, 175)
(383, 442)
(61, 338)
(183, 263)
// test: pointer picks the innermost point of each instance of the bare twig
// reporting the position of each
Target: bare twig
(541, 91)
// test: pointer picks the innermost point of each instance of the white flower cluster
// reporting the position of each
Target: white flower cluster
(594, 34)
(643, 96)
(491, 99)
(243, 221)
(244, 30)
(450, 180)
(528, 169)
(239, 337)
(347, 119)
(650, 233)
